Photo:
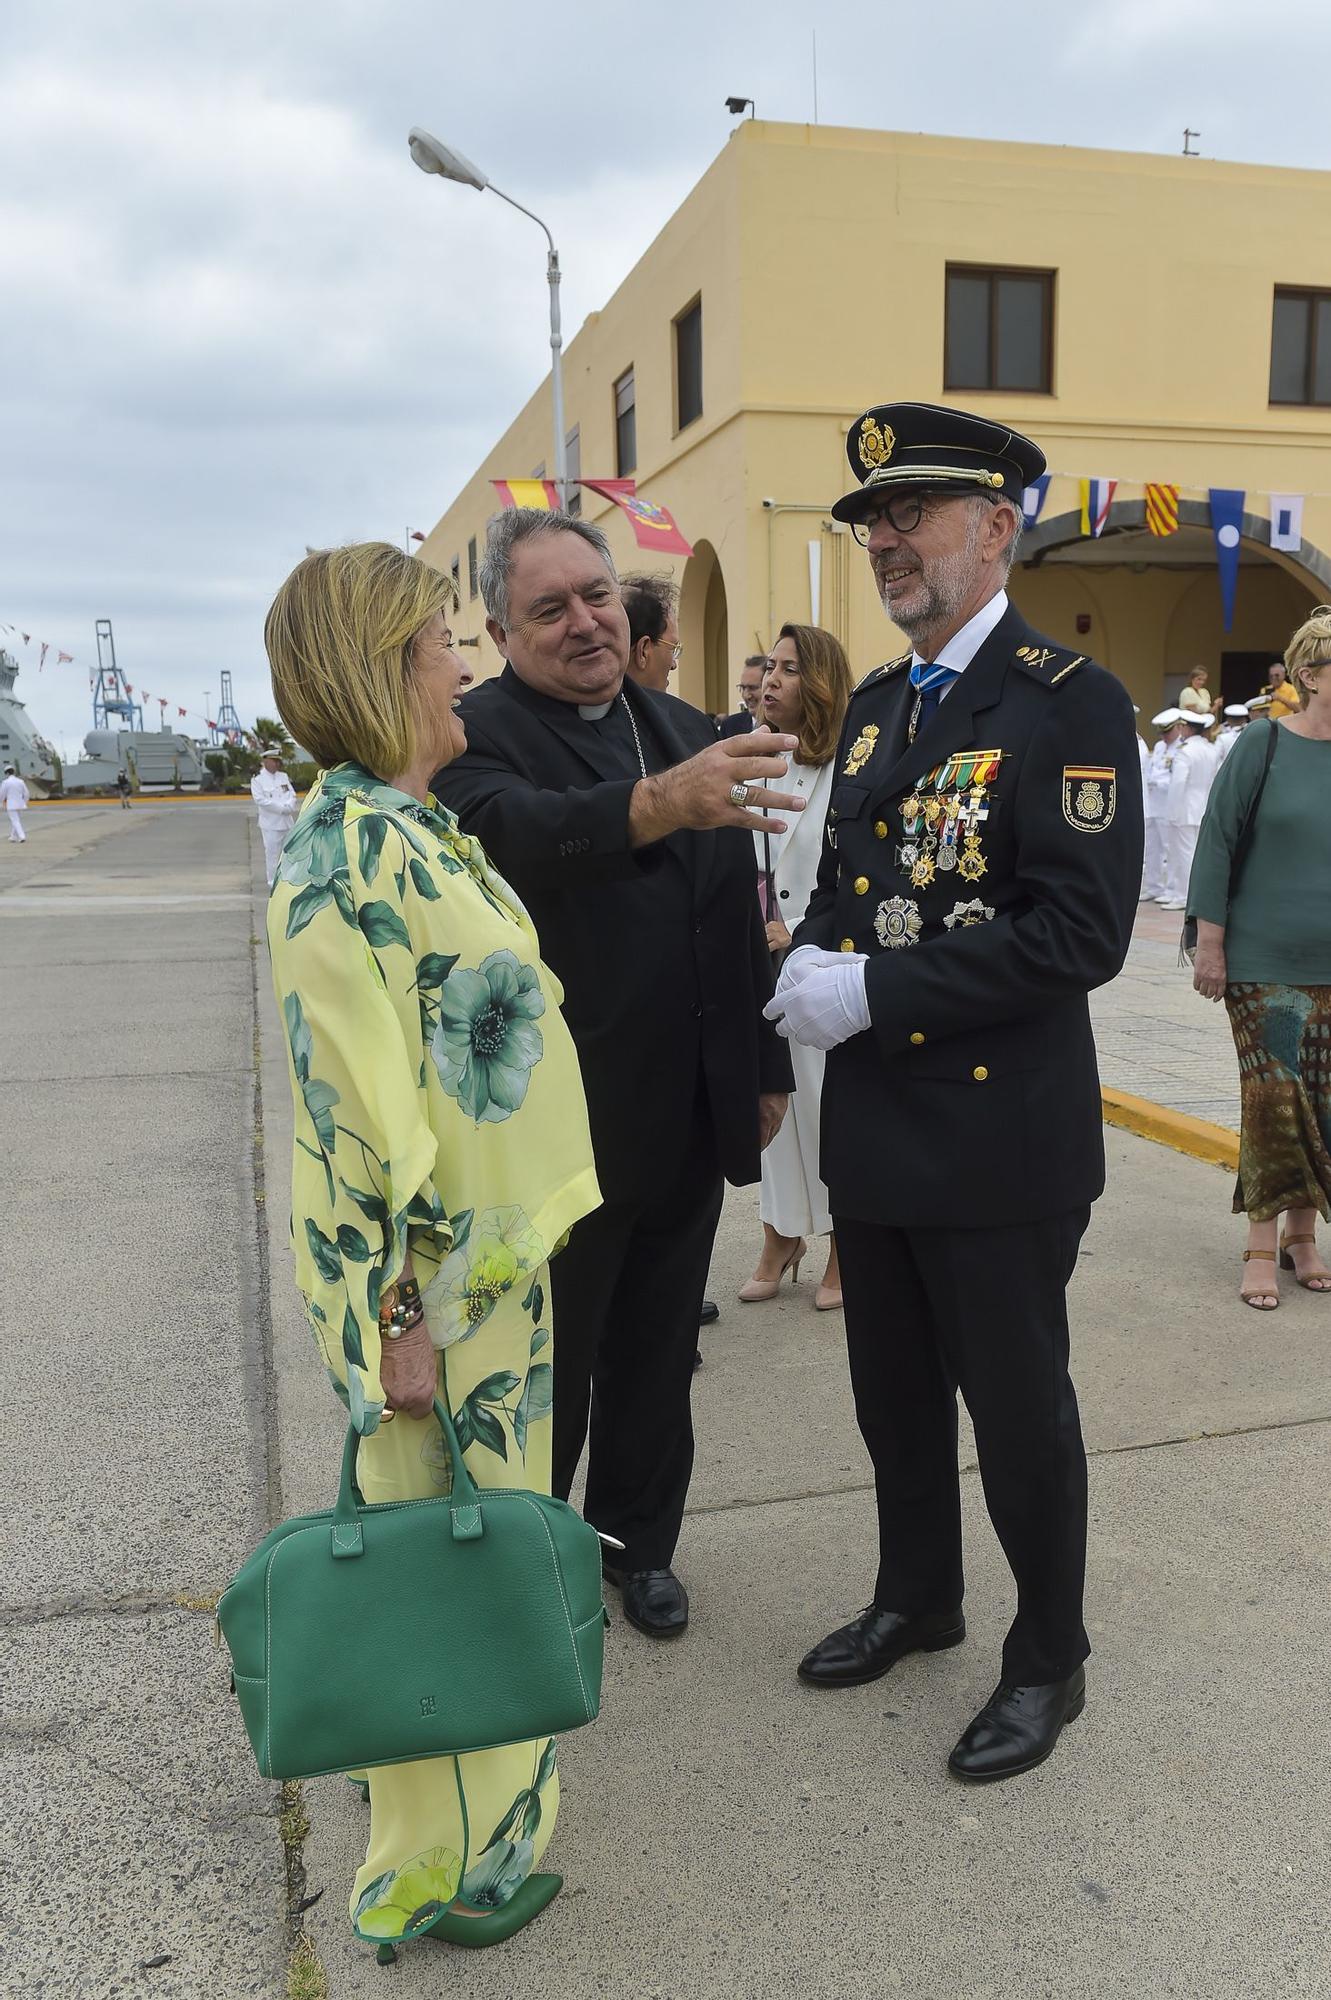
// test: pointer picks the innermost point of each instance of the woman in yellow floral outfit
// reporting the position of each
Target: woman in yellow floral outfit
(441, 1155)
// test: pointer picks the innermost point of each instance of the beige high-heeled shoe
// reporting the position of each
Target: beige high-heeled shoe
(1316, 1281)
(1253, 1298)
(758, 1289)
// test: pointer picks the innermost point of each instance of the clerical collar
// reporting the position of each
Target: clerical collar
(594, 711)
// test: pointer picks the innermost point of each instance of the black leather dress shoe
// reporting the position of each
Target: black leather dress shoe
(711, 1312)
(1017, 1728)
(866, 1648)
(655, 1601)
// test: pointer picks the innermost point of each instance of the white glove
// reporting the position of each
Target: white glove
(800, 963)
(824, 1007)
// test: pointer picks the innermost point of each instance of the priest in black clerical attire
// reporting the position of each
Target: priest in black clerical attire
(625, 827)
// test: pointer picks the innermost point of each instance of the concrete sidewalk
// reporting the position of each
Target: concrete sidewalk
(725, 1831)
(1159, 1039)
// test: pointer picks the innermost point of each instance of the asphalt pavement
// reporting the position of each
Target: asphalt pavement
(725, 1831)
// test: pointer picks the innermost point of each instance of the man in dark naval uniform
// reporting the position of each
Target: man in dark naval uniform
(980, 877)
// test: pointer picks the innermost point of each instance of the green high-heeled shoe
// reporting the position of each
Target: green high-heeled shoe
(477, 1932)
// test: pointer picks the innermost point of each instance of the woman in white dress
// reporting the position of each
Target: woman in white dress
(806, 690)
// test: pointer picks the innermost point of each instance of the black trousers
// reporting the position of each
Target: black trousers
(931, 1311)
(626, 1293)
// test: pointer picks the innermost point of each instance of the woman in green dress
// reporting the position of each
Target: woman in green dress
(441, 1155)
(1264, 948)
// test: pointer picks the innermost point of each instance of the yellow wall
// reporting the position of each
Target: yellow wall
(820, 254)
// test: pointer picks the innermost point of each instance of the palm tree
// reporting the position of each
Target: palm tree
(268, 729)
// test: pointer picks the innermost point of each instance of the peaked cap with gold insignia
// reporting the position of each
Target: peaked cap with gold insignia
(932, 449)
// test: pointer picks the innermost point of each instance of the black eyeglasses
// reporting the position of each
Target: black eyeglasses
(904, 512)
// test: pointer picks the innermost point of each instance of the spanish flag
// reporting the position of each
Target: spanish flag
(1162, 509)
(540, 493)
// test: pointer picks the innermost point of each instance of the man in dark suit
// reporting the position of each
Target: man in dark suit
(745, 717)
(623, 825)
(980, 876)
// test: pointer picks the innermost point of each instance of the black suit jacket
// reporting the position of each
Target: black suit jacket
(664, 976)
(973, 1099)
(738, 724)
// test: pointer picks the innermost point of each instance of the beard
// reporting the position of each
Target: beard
(939, 590)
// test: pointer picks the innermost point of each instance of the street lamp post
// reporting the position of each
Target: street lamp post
(433, 157)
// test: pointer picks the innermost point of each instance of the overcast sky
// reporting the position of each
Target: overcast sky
(234, 318)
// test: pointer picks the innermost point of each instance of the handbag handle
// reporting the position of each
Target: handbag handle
(464, 1504)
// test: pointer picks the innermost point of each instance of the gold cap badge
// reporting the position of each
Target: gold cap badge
(875, 444)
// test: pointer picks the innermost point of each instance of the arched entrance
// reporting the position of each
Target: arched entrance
(704, 631)
(1148, 607)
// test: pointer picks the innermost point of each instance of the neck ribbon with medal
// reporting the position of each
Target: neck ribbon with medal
(943, 819)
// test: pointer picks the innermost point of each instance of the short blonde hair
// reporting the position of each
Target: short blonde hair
(339, 636)
(1309, 647)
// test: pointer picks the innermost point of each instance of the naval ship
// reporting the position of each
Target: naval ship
(21, 744)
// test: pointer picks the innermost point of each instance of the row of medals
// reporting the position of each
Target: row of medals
(942, 834)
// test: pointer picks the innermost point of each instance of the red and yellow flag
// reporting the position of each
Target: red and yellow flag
(653, 527)
(527, 493)
(1162, 509)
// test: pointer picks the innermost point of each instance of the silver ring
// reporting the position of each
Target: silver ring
(740, 794)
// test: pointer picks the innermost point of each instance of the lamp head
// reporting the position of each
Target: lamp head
(433, 157)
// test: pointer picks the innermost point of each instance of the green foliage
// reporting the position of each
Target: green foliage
(268, 729)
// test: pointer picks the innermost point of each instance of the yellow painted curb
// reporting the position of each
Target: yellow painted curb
(1195, 1136)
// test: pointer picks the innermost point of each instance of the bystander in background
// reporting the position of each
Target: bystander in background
(654, 648)
(806, 692)
(14, 797)
(278, 805)
(750, 691)
(1264, 948)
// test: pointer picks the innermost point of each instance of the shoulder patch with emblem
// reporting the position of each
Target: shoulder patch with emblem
(1089, 796)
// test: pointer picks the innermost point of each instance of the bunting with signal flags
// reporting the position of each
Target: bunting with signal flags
(1097, 496)
(542, 493)
(1162, 509)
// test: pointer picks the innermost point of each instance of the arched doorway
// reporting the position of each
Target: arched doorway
(704, 631)
(1148, 607)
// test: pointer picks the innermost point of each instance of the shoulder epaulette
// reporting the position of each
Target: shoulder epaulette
(1049, 664)
(879, 674)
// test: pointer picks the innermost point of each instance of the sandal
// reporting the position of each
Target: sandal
(1316, 1281)
(1254, 1299)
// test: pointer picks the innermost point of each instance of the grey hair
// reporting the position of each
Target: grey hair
(515, 525)
(983, 500)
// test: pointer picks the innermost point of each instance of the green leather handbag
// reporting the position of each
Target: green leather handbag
(415, 1628)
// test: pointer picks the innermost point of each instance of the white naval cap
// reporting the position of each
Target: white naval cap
(1201, 717)
(1238, 708)
(1166, 717)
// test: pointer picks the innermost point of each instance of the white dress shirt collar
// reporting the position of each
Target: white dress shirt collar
(962, 647)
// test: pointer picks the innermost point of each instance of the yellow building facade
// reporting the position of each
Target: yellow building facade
(1152, 306)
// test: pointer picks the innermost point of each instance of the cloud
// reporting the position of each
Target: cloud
(235, 320)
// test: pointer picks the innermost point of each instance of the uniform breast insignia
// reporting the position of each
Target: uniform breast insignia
(1090, 794)
(897, 923)
(875, 444)
(941, 820)
(964, 915)
(971, 864)
(861, 750)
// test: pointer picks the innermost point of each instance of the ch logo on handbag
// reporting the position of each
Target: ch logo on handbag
(427, 1704)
